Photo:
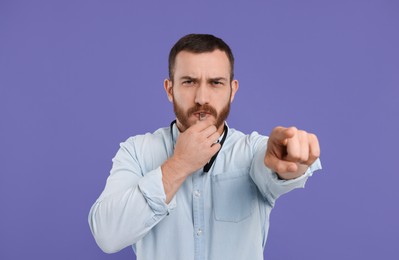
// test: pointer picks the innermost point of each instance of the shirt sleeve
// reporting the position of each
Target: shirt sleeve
(131, 204)
(267, 181)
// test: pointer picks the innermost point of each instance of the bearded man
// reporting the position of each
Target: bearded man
(200, 189)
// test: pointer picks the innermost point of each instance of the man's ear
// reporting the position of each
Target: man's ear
(234, 89)
(167, 84)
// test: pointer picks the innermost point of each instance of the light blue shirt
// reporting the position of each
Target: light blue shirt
(221, 214)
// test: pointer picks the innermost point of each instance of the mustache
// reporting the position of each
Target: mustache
(203, 108)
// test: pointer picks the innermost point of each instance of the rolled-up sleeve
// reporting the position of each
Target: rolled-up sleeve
(131, 204)
(153, 191)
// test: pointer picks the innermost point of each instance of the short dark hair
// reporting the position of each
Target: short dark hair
(199, 43)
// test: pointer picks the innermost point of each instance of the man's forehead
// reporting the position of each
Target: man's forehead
(214, 64)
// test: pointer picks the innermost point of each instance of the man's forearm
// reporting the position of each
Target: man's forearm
(111, 217)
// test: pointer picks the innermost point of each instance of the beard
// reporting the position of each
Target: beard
(183, 116)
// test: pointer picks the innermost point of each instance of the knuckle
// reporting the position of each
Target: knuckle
(278, 129)
(303, 134)
(294, 156)
(312, 136)
(295, 130)
(315, 154)
(304, 158)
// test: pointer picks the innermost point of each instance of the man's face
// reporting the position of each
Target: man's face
(201, 88)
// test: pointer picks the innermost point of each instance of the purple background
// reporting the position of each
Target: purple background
(78, 77)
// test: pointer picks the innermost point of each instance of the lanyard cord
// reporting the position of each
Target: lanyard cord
(207, 166)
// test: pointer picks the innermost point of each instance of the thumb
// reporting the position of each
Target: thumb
(279, 166)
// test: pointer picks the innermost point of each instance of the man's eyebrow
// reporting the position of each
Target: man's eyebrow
(209, 79)
(218, 79)
(187, 78)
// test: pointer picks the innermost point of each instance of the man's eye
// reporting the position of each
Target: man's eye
(188, 82)
(217, 83)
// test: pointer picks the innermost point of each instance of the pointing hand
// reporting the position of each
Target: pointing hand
(291, 151)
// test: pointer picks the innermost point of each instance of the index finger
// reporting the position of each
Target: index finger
(201, 125)
(281, 134)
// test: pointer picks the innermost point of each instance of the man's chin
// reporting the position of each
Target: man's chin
(185, 124)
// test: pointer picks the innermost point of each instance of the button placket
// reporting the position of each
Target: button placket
(198, 215)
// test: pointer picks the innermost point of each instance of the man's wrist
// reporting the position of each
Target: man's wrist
(293, 175)
(179, 166)
(172, 178)
(173, 170)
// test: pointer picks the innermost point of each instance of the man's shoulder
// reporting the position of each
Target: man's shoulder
(158, 135)
(237, 140)
(237, 135)
(145, 149)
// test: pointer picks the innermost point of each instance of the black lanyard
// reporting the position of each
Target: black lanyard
(207, 166)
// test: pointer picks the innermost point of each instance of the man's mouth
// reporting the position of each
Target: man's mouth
(202, 115)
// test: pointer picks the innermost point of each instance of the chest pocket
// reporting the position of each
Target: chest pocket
(233, 195)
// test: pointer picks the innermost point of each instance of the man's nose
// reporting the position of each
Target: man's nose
(202, 94)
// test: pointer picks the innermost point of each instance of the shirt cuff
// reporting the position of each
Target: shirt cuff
(300, 181)
(151, 187)
(279, 187)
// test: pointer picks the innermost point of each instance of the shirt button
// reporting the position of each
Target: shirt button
(199, 232)
(197, 194)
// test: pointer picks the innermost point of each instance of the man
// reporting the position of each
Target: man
(199, 189)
